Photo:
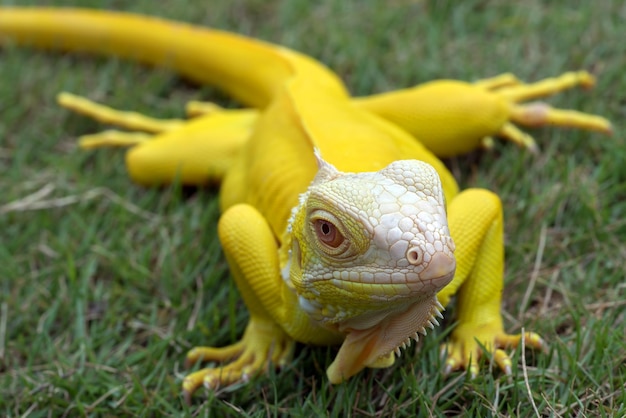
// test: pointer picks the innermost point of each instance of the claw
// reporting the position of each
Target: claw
(487, 143)
(535, 341)
(443, 351)
(473, 370)
(503, 361)
(191, 383)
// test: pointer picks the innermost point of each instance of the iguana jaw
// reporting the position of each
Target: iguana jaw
(373, 337)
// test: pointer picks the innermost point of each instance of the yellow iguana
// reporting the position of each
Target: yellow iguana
(335, 223)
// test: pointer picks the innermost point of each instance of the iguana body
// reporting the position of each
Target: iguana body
(349, 248)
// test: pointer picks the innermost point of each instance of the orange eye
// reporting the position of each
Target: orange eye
(328, 234)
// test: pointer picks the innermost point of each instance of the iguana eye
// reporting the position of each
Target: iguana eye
(327, 233)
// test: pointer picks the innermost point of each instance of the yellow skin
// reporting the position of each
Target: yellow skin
(353, 248)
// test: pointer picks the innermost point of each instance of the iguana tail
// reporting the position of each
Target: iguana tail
(203, 55)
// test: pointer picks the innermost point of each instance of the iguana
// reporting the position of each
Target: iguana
(339, 225)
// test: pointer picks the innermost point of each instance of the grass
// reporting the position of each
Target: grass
(106, 286)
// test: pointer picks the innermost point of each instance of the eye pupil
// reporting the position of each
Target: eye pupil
(328, 234)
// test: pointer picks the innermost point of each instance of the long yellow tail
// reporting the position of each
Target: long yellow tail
(203, 55)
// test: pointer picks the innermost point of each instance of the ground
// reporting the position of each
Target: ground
(105, 285)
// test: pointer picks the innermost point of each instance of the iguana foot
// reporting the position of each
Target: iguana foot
(469, 342)
(262, 344)
(145, 125)
(541, 114)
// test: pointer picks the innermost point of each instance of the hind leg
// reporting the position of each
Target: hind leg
(193, 152)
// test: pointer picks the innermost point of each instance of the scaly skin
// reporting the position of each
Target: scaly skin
(355, 248)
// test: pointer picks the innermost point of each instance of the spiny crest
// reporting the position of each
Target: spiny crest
(431, 323)
(326, 171)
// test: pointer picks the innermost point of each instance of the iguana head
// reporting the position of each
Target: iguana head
(369, 253)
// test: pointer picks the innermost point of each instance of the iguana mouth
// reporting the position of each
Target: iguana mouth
(403, 283)
(384, 299)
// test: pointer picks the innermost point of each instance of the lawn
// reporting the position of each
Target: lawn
(104, 285)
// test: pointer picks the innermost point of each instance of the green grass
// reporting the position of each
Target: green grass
(104, 288)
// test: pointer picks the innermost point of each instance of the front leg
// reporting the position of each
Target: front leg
(252, 254)
(476, 225)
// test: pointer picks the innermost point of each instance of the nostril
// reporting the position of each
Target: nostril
(414, 255)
